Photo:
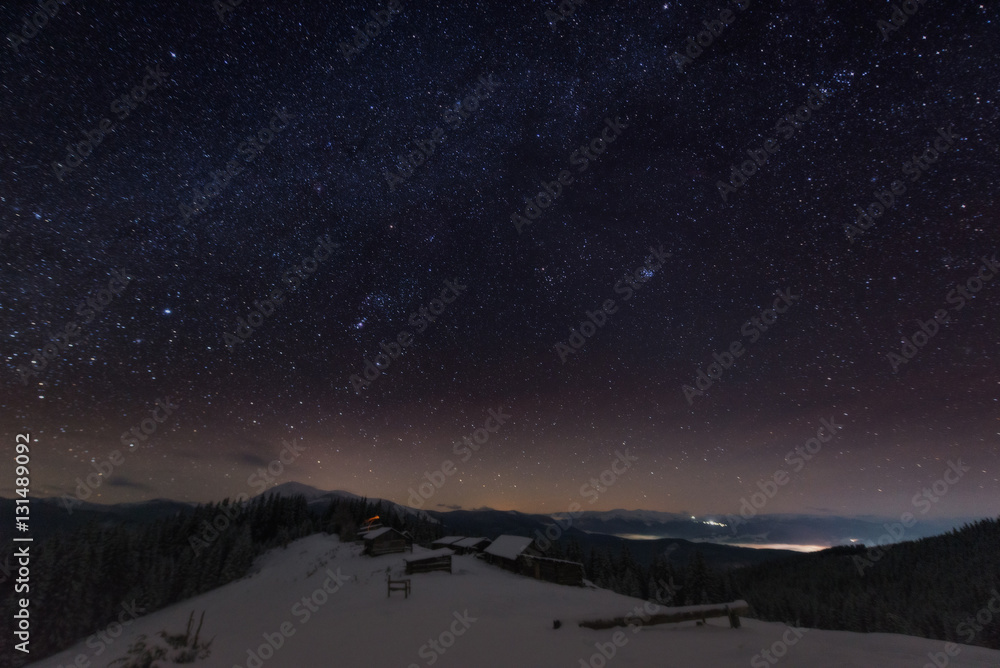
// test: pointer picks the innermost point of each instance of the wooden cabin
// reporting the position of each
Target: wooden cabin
(447, 541)
(559, 571)
(519, 554)
(385, 540)
(425, 562)
(506, 551)
(470, 545)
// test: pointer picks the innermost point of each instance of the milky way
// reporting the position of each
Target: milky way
(684, 232)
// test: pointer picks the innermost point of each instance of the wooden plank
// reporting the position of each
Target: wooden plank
(730, 610)
(398, 585)
(429, 565)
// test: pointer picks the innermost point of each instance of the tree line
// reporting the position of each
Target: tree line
(944, 587)
(82, 579)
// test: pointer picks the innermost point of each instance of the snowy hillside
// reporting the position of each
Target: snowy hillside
(478, 616)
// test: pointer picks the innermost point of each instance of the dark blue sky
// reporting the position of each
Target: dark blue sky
(307, 137)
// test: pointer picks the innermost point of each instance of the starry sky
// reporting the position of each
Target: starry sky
(331, 116)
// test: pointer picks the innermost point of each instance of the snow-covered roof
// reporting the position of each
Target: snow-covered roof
(430, 554)
(375, 533)
(448, 540)
(469, 542)
(508, 547)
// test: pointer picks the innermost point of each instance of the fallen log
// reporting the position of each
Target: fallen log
(732, 610)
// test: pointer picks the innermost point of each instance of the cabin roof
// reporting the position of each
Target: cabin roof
(470, 542)
(508, 547)
(448, 540)
(430, 554)
(375, 533)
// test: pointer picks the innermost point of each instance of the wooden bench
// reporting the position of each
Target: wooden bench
(398, 585)
(732, 610)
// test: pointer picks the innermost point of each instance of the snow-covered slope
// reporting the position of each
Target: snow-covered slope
(479, 616)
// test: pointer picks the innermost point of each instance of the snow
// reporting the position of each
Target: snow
(375, 533)
(469, 542)
(479, 616)
(420, 555)
(508, 547)
(448, 540)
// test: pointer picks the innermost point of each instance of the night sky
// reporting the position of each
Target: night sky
(488, 104)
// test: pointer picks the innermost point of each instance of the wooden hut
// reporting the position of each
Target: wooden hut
(506, 551)
(559, 571)
(447, 541)
(470, 545)
(425, 562)
(385, 540)
(518, 554)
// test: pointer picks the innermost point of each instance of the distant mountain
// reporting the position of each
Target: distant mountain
(492, 523)
(318, 499)
(311, 493)
(804, 530)
(51, 515)
(648, 516)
